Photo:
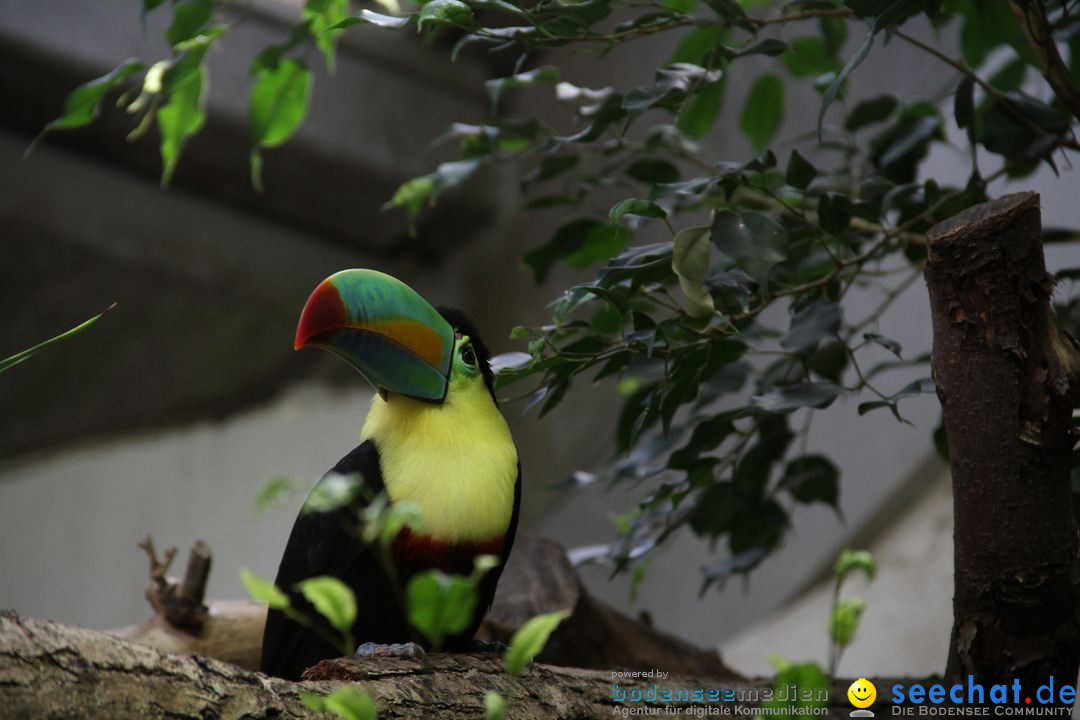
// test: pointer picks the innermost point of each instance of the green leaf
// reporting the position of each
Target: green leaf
(495, 706)
(19, 357)
(324, 17)
(189, 17)
(389, 22)
(912, 389)
(264, 591)
(834, 31)
(1009, 78)
(756, 529)
(898, 151)
(278, 105)
(412, 194)
(598, 244)
(279, 102)
(690, 261)
(886, 13)
(333, 491)
(180, 118)
(808, 677)
(812, 478)
(520, 332)
(732, 12)
(698, 43)
(873, 110)
(809, 57)
(609, 111)
(440, 604)
(844, 621)
(990, 25)
(636, 206)
(396, 518)
(819, 395)
(763, 111)
(446, 12)
(850, 560)
(834, 212)
(496, 87)
(653, 171)
(706, 436)
(715, 508)
(1004, 134)
(887, 343)
(348, 702)
(84, 102)
(754, 241)
(549, 168)
(800, 172)
(332, 599)
(530, 639)
(351, 703)
(577, 243)
(769, 46)
(672, 86)
(964, 104)
(276, 490)
(834, 88)
(698, 115)
(816, 322)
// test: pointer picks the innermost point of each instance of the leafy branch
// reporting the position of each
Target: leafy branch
(717, 310)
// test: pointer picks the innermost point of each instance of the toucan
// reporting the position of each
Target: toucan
(434, 437)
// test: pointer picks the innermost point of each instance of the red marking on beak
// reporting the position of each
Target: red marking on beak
(324, 311)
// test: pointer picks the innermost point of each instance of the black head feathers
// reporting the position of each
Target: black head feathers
(464, 326)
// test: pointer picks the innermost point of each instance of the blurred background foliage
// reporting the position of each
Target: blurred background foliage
(690, 250)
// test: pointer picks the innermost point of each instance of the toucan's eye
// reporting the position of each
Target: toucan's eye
(468, 356)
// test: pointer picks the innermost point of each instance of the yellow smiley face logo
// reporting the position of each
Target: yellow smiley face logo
(862, 693)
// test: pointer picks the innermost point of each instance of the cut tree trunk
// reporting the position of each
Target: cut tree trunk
(1002, 375)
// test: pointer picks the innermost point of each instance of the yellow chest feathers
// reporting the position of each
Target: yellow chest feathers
(455, 462)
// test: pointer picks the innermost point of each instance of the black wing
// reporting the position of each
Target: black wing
(325, 543)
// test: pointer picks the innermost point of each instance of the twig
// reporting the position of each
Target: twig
(158, 568)
(1031, 14)
(1001, 97)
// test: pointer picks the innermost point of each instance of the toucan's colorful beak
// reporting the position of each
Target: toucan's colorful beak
(384, 329)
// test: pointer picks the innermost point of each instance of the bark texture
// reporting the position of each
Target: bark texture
(1003, 381)
(49, 670)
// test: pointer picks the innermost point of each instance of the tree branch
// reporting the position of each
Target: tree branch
(48, 670)
(1001, 97)
(1031, 14)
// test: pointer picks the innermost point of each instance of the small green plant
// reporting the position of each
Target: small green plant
(275, 492)
(844, 616)
(526, 644)
(846, 612)
(348, 702)
(440, 605)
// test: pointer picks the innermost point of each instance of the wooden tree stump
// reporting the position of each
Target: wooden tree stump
(1002, 375)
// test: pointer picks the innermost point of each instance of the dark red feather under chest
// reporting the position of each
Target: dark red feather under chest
(415, 553)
